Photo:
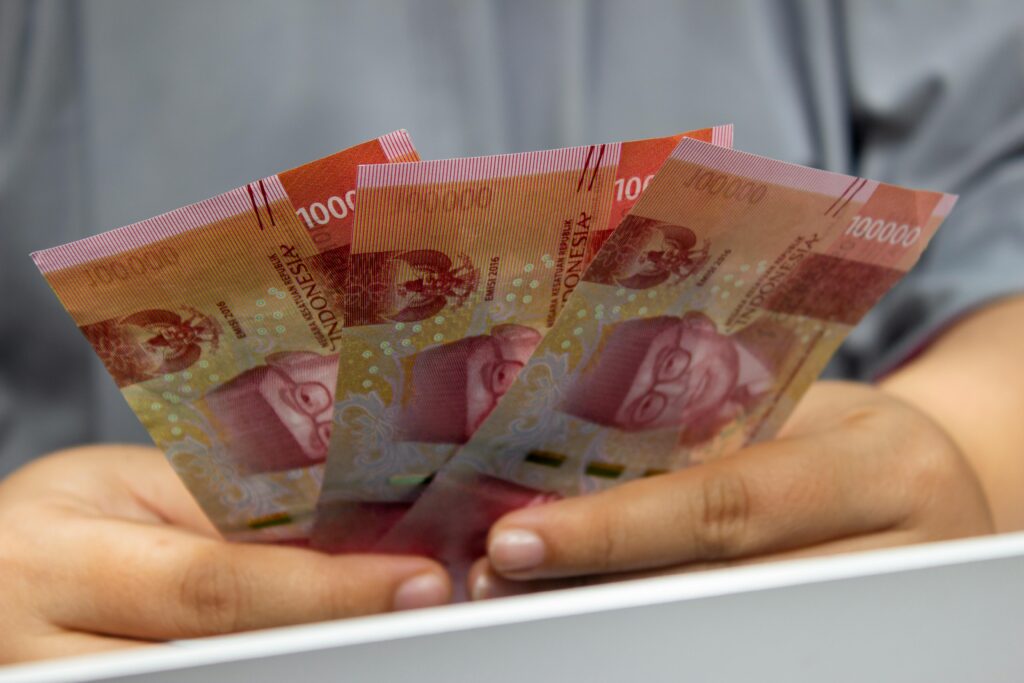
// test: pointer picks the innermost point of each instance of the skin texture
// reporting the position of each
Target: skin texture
(930, 453)
(103, 548)
(971, 381)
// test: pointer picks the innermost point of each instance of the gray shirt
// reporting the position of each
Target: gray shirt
(112, 111)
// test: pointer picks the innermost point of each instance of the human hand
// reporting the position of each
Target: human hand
(854, 468)
(103, 547)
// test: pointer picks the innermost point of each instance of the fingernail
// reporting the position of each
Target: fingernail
(425, 590)
(482, 587)
(487, 586)
(516, 550)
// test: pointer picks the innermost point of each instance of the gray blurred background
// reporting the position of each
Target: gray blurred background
(112, 111)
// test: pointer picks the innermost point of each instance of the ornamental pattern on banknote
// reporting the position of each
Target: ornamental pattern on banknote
(237, 496)
(151, 343)
(407, 286)
(545, 376)
(439, 394)
(368, 422)
(443, 333)
(218, 322)
(648, 253)
(703, 344)
(457, 269)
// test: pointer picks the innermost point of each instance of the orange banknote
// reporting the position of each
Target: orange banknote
(696, 329)
(457, 269)
(220, 323)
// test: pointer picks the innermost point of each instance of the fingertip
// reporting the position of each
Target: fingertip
(423, 590)
(516, 550)
(482, 586)
(477, 580)
(393, 582)
(532, 516)
(485, 584)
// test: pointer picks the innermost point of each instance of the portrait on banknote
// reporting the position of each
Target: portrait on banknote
(451, 388)
(677, 372)
(279, 412)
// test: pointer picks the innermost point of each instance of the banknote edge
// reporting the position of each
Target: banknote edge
(396, 144)
(505, 165)
(253, 197)
(722, 136)
(492, 166)
(786, 174)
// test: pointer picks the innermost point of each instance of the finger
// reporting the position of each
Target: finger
(158, 582)
(769, 497)
(153, 483)
(486, 583)
(62, 644)
(126, 482)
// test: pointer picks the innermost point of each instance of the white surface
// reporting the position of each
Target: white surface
(949, 611)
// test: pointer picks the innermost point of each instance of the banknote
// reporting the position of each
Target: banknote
(700, 323)
(457, 269)
(220, 324)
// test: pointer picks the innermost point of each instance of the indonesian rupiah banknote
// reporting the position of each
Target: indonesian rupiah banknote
(220, 324)
(457, 269)
(697, 328)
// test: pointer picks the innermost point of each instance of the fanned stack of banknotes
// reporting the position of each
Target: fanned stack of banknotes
(376, 353)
